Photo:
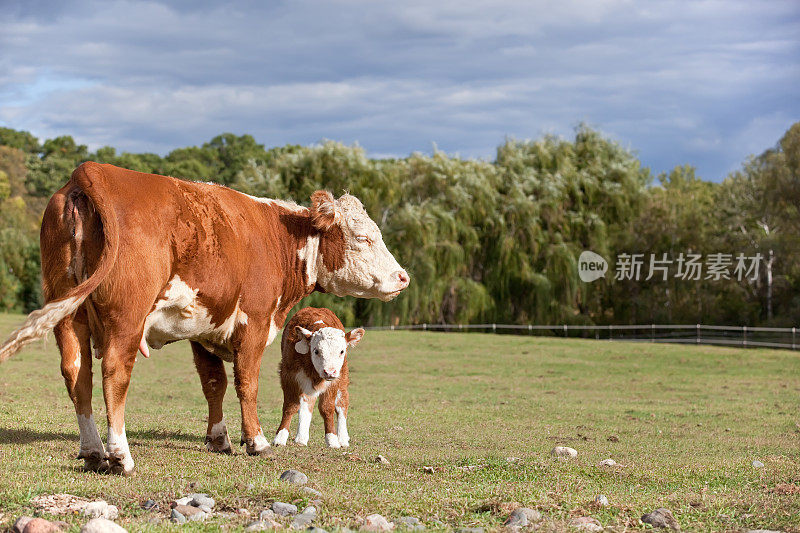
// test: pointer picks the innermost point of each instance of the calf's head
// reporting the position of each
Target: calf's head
(328, 348)
(353, 260)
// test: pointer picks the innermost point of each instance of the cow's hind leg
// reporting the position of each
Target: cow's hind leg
(118, 359)
(214, 382)
(72, 336)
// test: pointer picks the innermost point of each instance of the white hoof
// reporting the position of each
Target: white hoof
(281, 437)
(332, 441)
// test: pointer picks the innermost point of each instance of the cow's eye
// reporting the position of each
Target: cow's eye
(316, 352)
(362, 238)
(341, 353)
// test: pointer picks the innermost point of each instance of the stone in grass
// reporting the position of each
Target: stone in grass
(607, 462)
(199, 500)
(376, 522)
(294, 476)
(517, 518)
(310, 491)
(19, 525)
(149, 504)
(261, 525)
(409, 522)
(177, 517)
(187, 510)
(186, 500)
(102, 525)
(601, 500)
(40, 525)
(470, 530)
(585, 523)
(284, 509)
(758, 464)
(100, 509)
(302, 521)
(381, 460)
(661, 518)
(564, 452)
(316, 530)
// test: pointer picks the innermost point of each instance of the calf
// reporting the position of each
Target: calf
(314, 363)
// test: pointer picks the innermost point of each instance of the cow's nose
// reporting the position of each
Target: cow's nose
(402, 277)
(331, 374)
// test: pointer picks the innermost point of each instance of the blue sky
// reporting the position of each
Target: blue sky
(700, 82)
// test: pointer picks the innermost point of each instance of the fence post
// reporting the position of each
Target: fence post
(744, 335)
(697, 335)
(424, 326)
(494, 328)
(565, 331)
(794, 346)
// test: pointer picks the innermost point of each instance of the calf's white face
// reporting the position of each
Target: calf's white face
(328, 347)
(369, 269)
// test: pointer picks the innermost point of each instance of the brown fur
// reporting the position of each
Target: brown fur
(293, 362)
(113, 238)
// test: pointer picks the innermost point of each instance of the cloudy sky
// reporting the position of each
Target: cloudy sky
(704, 82)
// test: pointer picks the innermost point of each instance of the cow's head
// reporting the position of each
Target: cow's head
(354, 260)
(328, 348)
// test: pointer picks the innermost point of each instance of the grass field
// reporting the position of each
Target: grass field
(688, 422)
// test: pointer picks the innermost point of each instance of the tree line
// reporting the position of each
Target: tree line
(491, 241)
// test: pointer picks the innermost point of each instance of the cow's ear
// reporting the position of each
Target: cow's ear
(303, 332)
(354, 337)
(324, 214)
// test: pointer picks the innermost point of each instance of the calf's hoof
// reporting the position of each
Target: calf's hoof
(332, 441)
(219, 444)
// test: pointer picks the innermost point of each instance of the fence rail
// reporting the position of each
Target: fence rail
(745, 336)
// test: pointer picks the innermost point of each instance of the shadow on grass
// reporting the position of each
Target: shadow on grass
(162, 435)
(27, 435)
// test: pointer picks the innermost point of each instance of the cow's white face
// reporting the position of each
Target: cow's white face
(367, 268)
(328, 348)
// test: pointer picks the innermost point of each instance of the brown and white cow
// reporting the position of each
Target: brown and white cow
(133, 260)
(314, 364)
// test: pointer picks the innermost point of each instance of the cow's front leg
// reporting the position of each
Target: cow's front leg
(214, 382)
(118, 360)
(72, 336)
(246, 366)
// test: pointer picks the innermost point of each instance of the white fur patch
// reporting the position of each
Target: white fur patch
(306, 387)
(90, 437)
(329, 348)
(319, 322)
(332, 440)
(77, 362)
(310, 254)
(179, 315)
(304, 422)
(281, 437)
(260, 442)
(341, 427)
(273, 328)
(118, 444)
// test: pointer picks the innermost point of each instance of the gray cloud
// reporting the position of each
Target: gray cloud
(705, 83)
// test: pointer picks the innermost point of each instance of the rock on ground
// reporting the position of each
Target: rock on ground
(102, 525)
(564, 451)
(294, 476)
(149, 504)
(200, 500)
(376, 522)
(601, 500)
(758, 464)
(607, 462)
(187, 510)
(100, 509)
(586, 523)
(177, 517)
(262, 525)
(470, 530)
(382, 460)
(309, 490)
(19, 525)
(40, 525)
(661, 518)
(409, 522)
(517, 518)
(284, 509)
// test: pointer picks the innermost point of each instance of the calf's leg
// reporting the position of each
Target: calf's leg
(214, 382)
(327, 410)
(290, 407)
(304, 419)
(342, 404)
(73, 338)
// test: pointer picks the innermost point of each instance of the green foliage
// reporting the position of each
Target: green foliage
(484, 241)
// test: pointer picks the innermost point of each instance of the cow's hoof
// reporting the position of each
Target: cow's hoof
(263, 452)
(94, 462)
(116, 466)
(219, 444)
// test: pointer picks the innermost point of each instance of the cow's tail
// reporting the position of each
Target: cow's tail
(91, 179)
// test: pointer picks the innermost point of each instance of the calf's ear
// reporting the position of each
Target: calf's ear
(303, 332)
(324, 214)
(354, 337)
(302, 346)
